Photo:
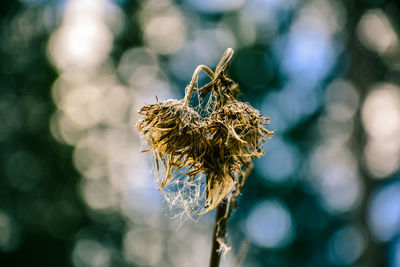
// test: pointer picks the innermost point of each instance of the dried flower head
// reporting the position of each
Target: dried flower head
(216, 149)
(173, 129)
(235, 134)
(244, 128)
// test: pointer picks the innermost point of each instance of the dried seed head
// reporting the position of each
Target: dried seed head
(215, 150)
(244, 128)
(235, 133)
(173, 130)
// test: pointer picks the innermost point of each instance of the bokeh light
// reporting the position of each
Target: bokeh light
(163, 26)
(384, 213)
(381, 111)
(375, 31)
(381, 120)
(143, 246)
(10, 235)
(91, 253)
(336, 179)
(84, 40)
(342, 100)
(346, 245)
(270, 225)
(281, 164)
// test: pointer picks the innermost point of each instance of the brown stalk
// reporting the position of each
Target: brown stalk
(224, 209)
(221, 218)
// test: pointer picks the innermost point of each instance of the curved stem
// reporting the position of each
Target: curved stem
(221, 67)
(195, 77)
(220, 70)
(223, 63)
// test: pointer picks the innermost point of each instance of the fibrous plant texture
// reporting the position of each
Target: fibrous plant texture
(174, 131)
(203, 153)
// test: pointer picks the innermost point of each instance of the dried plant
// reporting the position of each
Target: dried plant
(235, 133)
(174, 131)
(215, 149)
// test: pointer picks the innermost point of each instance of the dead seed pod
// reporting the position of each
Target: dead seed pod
(175, 133)
(215, 150)
(169, 126)
(222, 172)
(241, 128)
(173, 130)
(235, 133)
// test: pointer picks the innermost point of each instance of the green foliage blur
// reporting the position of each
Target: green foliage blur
(75, 190)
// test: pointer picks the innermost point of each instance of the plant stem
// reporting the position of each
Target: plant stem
(195, 77)
(223, 63)
(221, 218)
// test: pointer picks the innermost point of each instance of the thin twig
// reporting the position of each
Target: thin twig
(220, 224)
(195, 77)
(224, 210)
(223, 63)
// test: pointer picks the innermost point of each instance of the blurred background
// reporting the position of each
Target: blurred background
(75, 190)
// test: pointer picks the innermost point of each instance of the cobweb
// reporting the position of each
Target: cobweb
(186, 199)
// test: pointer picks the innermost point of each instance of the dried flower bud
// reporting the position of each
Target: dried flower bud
(235, 133)
(216, 149)
(173, 130)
